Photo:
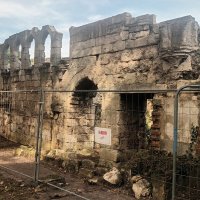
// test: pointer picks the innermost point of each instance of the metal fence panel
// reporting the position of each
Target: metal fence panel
(91, 131)
(19, 123)
(141, 127)
(186, 182)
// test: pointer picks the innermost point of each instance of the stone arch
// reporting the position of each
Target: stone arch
(86, 83)
(17, 52)
(30, 52)
(45, 31)
(56, 43)
(80, 95)
(25, 39)
(35, 35)
(85, 106)
(15, 41)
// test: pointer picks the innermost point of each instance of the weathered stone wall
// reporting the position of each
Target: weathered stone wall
(123, 52)
(17, 73)
(120, 52)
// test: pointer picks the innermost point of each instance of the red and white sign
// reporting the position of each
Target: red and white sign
(103, 135)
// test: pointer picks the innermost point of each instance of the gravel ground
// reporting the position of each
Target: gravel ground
(14, 186)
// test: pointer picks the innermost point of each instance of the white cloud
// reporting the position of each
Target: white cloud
(8, 10)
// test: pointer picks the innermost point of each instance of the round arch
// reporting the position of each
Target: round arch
(87, 85)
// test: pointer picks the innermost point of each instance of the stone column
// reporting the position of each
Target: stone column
(39, 58)
(25, 57)
(15, 63)
(56, 45)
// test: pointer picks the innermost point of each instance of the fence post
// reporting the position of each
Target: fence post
(175, 134)
(175, 143)
(39, 137)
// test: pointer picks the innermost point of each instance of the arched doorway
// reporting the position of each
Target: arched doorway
(86, 112)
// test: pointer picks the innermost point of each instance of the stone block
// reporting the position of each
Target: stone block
(141, 187)
(135, 29)
(124, 35)
(121, 18)
(100, 171)
(144, 19)
(125, 56)
(89, 154)
(97, 29)
(95, 50)
(152, 39)
(107, 48)
(87, 44)
(107, 39)
(109, 155)
(141, 34)
(71, 166)
(88, 164)
(85, 144)
(82, 137)
(179, 35)
(118, 46)
(113, 177)
(88, 61)
(86, 173)
(99, 41)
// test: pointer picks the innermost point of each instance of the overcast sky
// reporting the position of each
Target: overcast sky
(19, 15)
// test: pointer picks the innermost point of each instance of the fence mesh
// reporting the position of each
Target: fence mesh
(18, 123)
(141, 127)
(91, 131)
(188, 162)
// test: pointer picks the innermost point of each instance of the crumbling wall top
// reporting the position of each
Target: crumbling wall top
(12, 57)
(179, 35)
(100, 28)
(123, 31)
(108, 26)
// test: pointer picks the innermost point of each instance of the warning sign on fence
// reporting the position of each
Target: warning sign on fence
(103, 135)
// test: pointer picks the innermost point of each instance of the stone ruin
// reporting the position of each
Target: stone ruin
(119, 53)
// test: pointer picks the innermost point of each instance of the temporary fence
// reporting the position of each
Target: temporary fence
(18, 121)
(21, 121)
(133, 121)
(186, 148)
(139, 124)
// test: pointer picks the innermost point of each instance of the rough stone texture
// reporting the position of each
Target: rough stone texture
(114, 176)
(25, 39)
(109, 155)
(179, 35)
(121, 52)
(86, 173)
(141, 187)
